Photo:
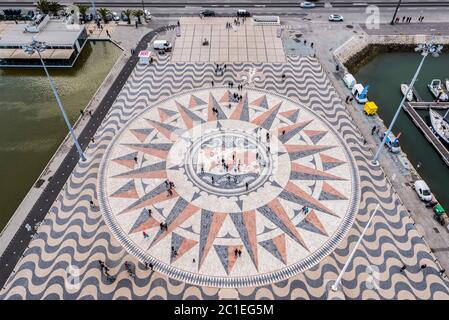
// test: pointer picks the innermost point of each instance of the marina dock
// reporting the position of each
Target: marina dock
(411, 108)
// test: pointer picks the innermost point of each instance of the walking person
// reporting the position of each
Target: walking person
(102, 265)
(373, 130)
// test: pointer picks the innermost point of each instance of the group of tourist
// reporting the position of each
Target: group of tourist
(169, 185)
(129, 267)
(105, 270)
(407, 19)
(219, 70)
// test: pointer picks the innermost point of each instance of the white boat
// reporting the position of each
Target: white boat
(440, 124)
(404, 89)
(447, 84)
(437, 90)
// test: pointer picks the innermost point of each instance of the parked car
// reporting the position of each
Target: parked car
(123, 16)
(336, 17)
(147, 15)
(109, 16)
(243, 13)
(115, 16)
(423, 190)
(87, 17)
(307, 5)
(207, 13)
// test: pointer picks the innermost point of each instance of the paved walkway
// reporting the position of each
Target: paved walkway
(262, 175)
(237, 43)
(19, 243)
(75, 234)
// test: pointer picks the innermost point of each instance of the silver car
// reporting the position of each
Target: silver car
(335, 17)
(307, 4)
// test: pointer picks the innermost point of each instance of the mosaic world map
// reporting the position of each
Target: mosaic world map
(251, 190)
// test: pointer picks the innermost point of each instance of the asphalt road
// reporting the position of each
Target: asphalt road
(237, 3)
(22, 238)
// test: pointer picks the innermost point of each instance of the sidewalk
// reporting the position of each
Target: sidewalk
(394, 166)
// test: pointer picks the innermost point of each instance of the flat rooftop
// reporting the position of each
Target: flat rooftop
(54, 33)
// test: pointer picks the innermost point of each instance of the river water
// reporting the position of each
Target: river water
(384, 74)
(31, 125)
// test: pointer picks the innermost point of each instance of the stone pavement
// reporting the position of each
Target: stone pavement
(75, 233)
(239, 43)
(263, 175)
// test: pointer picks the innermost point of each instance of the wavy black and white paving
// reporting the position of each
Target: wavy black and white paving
(74, 233)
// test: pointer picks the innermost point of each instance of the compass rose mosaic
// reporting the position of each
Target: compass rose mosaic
(228, 192)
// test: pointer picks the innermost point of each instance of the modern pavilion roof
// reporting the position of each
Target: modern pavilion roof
(55, 33)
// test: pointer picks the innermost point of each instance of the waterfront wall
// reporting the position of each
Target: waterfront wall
(358, 50)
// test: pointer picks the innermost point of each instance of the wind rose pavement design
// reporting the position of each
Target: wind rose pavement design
(263, 188)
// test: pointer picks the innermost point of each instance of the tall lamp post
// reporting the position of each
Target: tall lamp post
(94, 9)
(395, 12)
(334, 287)
(425, 49)
(38, 47)
(143, 6)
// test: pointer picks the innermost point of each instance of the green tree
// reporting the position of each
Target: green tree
(43, 6)
(54, 7)
(82, 10)
(103, 12)
(128, 13)
(138, 14)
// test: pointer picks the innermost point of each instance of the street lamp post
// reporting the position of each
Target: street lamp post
(395, 12)
(39, 47)
(334, 287)
(143, 6)
(94, 9)
(425, 49)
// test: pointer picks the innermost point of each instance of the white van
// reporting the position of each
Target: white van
(147, 15)
(162, 45)
(349, 80)
(423, 190)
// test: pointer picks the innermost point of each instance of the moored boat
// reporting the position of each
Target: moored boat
(404, 89)
(437, 90)
(440, 124)
(447, 84)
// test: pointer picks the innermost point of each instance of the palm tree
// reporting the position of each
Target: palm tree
(43, 6)
(82, 10)
(128, 13)
(103, 12)
(54, 7)
(138, 14)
